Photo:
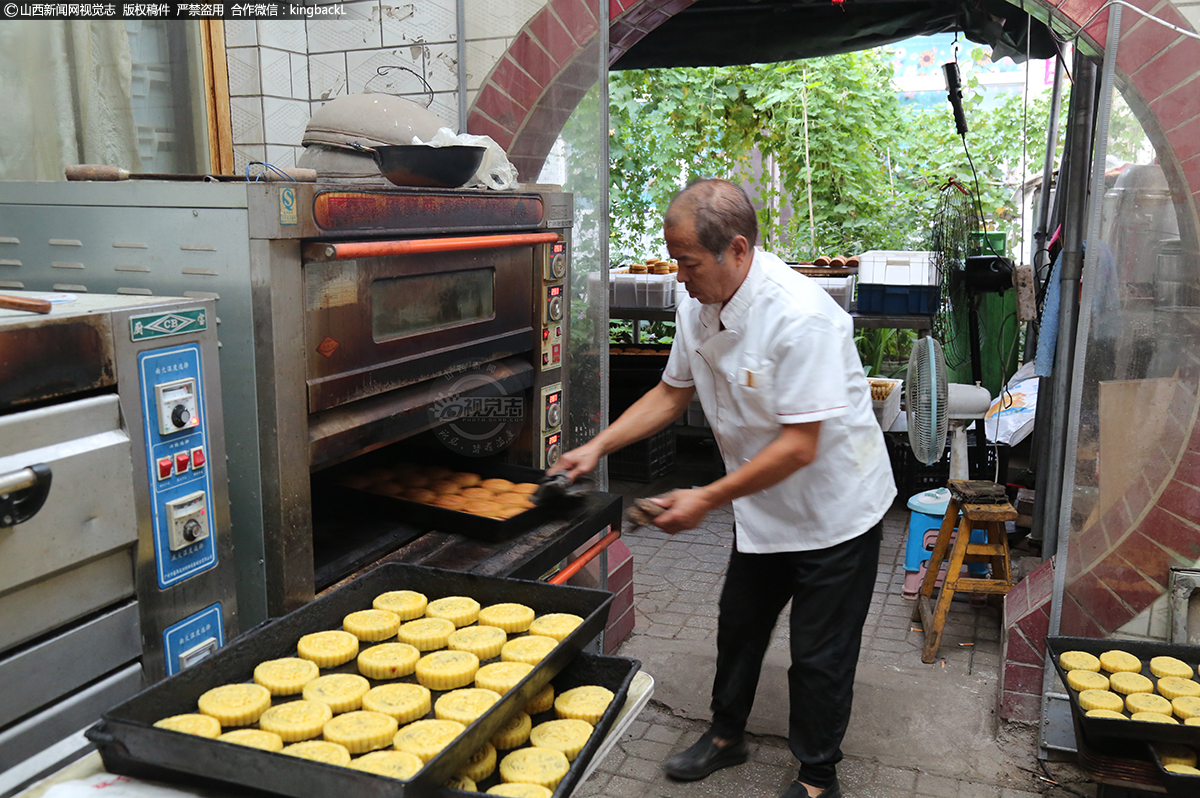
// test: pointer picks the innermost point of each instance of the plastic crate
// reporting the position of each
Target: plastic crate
(641, 290)
(645, 460)
(897, 300)
(840, 288)
(913, 476)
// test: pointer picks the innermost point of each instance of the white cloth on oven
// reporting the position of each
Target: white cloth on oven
(786, 355)
(495, 171)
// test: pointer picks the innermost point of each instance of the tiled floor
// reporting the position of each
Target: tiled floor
(917, 729)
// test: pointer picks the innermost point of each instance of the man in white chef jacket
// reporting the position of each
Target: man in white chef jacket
(773, 360)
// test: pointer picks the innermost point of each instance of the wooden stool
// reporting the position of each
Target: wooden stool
(990, 517)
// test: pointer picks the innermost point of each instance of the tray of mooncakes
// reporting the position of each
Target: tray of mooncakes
(1131, 689)
(394, 684)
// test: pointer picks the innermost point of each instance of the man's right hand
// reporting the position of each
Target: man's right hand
(576, 462)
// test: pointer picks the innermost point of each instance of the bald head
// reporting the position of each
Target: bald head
(720, 210)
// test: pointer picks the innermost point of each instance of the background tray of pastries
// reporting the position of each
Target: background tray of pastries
(131, 744)
(411, 488)
(1172, 729)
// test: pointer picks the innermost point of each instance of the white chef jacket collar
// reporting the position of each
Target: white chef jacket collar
(732, 312)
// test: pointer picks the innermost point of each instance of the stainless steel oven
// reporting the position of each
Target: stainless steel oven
(350, 320)
(115, 559)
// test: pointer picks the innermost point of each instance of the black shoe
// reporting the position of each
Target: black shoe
(797, 790)
(704, 757)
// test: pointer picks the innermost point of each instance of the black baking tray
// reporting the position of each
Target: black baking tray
(1111, 728)
(327, 491)
(129, 743)
(1175, 783)
(615, 673)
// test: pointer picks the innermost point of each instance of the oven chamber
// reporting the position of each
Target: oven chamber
(314, 374)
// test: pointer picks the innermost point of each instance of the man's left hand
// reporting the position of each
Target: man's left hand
(685, 510)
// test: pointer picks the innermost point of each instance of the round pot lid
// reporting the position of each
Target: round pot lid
(371, 120)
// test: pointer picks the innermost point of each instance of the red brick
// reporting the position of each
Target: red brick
(1187, 470)
(1132, 587)
(622, 601)
(516, 83)
(1019, 649)
(618, 631)
(1074, 563)
(1169, 69)
(1020, 706)
(1020, 678)
(1075, 621)
(1172, 533)
(617, 7)
(1142, 43)
(623, 35)
(577, 18)
(1035, 626)
(673, 7)
(1185, 140)
(1180, 499)
(553, 37)
(622, 577)
(1016, 603)
(1041, 581)
(618, 554)
(1137, 498)
(528, 167)
(1151, 561)
(533, 59)
(499, 106)
(1191, 171)
(1091, 544)
(646, 17)
(1174, 108)
(1116, 521)
(1158, 466)
(480, 125)
(1103, 605)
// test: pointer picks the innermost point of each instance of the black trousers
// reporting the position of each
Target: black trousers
(830, 590)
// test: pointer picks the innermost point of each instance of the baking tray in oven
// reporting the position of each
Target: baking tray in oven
(327, 491)
(130, 744)
(1111, 728)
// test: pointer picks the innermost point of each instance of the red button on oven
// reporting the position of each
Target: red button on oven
(182, 461)
(555, 353)
(198, 458)
(164, 467)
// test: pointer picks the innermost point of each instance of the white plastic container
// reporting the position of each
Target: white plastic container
(888, 408)
(840, 288)
(896, 267)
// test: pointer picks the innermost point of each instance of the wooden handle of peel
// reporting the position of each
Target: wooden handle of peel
(24, 303)
(95, 171)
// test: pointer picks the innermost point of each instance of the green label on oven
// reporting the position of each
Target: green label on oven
(158, 325)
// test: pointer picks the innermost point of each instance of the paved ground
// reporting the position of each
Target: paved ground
(917, 729)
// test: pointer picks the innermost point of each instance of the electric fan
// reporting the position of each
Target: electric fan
(937, 408)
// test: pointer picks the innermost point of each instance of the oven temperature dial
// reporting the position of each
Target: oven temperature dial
(551, 449)
(187, 520)
(554, 303)
(176, 405)
(556, 262)
(552, 407)
(558, 266)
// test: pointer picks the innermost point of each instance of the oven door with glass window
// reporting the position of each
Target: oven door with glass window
(375, 324)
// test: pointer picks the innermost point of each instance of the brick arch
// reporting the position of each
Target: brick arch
(550, 65)
(536, 85)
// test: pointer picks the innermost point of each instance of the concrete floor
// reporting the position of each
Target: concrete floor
(916, 729)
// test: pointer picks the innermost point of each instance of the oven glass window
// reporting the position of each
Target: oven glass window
(421, 303)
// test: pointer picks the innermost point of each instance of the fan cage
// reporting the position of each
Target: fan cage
(927, 397)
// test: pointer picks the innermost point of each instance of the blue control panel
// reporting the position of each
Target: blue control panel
(173, 405)
(193, 639)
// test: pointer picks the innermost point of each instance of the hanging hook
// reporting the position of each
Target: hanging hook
(383, 70)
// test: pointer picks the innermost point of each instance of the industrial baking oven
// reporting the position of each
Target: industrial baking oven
(351, 319)
(115, 559)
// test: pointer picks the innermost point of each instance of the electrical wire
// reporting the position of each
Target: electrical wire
(266, 166)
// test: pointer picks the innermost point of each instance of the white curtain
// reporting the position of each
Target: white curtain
(64, 98)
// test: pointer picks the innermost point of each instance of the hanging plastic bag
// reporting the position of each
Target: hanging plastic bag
(496, 171)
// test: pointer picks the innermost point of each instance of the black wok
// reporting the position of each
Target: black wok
(425, 166)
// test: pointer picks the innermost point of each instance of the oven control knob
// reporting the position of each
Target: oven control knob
(191, 530)
(554, 308)
(180, 416)
(552, 454)
(558, 266)
(554, 415)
